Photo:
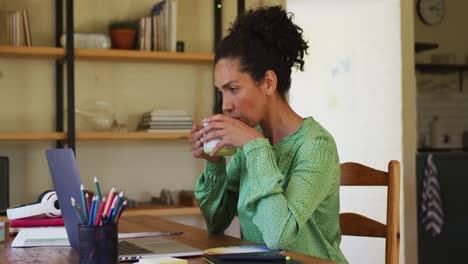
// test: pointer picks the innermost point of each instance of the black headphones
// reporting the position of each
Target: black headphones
(47, 204)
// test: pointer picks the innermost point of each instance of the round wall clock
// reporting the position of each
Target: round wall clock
(431, 12)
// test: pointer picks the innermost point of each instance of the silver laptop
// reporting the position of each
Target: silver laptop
(67, 182)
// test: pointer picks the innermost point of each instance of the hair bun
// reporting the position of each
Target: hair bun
(274, 28)
(265, 39)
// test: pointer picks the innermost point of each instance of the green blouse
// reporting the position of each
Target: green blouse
(286, 195)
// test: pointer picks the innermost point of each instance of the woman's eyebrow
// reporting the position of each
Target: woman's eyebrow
(228, 84)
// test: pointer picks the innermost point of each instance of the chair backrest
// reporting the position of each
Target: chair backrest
(355, 174)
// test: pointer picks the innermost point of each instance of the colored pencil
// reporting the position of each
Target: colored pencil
(124, 204)
(88, 202)
(77, 210)
(99, 212)
(111, 211)
(83, 202)
(117, 207)
(93, 205)
(110, 199)
(98, 189)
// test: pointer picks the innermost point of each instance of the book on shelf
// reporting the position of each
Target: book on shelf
(15, 28)
(148, 31)
(156, 15)
(162, 120)
(167, 118)
(147, 122)
(166, 115)
(27, 30)
(167, 112)
(172, 38)
(152, 130)
(142, 34)
(188, 128)
(163, 26)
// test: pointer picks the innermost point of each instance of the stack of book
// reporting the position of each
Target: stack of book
(3, 231)
(14, 28)
(157, 31)
(166, 121)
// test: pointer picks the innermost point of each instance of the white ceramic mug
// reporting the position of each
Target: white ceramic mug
(210, 145)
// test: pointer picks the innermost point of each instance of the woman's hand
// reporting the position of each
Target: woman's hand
(231, 131)
(197, 146)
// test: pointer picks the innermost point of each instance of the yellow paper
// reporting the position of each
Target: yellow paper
(163, 260)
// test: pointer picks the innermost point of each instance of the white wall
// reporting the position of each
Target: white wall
(352, 86)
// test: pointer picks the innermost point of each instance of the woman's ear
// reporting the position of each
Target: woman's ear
(270, 82)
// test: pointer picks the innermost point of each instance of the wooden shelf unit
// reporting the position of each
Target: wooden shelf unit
(12, 136)
(141, 56)
(51, 53)
(444, 68)
(32, 136)
(105, 55)
(424, 46)
(131, 135)
(441, 67)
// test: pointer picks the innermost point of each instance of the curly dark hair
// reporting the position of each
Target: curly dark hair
(265, 39)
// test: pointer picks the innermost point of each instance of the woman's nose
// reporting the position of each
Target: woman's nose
(227, 105)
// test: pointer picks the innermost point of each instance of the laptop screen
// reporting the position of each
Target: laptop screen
(67, 182)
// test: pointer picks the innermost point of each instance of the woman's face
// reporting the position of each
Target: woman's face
(243, 98)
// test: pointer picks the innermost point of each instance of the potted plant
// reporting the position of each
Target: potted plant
(123, 34)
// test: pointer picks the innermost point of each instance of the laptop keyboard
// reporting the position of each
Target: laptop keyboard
(126, 248)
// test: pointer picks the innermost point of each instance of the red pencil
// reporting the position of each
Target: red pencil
(110, 199)
(100, 210)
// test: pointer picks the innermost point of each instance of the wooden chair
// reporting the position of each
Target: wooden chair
(355, 174)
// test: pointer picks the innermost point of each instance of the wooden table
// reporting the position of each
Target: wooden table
(192, 236)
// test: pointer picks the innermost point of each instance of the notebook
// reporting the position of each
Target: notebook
(249, 258)
(67, 182)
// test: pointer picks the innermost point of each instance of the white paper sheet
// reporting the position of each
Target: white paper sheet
(41, 237)
(147, 234)
(57, 237)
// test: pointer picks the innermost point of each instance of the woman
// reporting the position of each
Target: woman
(283, 182)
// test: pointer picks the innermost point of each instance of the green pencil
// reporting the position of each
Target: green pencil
(119, 202)
(78, 211)
(98, 189)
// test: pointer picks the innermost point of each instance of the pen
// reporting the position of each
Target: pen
(98, 189)
(209, 261)
(256, 258)
(148, 234)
